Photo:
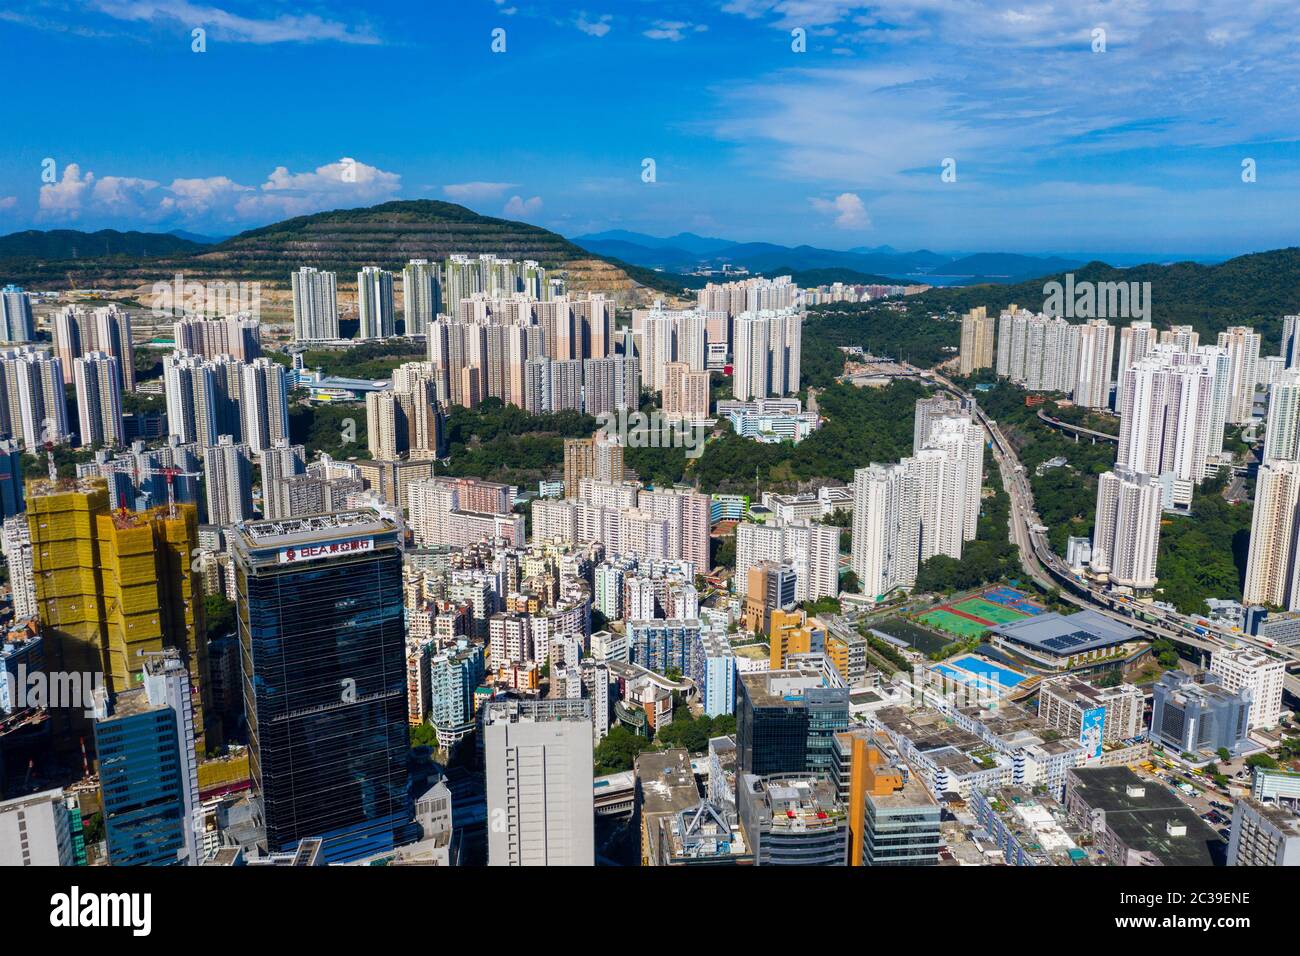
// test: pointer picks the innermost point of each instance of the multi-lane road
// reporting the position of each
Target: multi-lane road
(1050, 571)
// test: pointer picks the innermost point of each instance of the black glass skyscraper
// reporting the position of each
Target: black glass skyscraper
(324, 668)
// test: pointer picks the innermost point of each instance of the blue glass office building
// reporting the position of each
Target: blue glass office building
(148, 769)
(324, 668)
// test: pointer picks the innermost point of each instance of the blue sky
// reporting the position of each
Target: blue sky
(294, 108)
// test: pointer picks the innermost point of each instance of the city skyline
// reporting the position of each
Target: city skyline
(1137, 148)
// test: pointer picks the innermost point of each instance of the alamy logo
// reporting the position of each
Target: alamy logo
(55, 690)
(1097, 300)
(75, 909)
(179, 298)
(655, 430)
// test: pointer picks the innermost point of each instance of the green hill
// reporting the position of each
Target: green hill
(1255, 290)
(343, 240)
(75, 244)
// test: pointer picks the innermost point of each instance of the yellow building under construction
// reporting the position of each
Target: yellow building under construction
(112, 586)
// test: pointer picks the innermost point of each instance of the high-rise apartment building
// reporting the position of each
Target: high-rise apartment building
(1135, 340)
(1271, 558)
(421, 295)
(1168, 420)
(325, 679)
(16, 323)
(265, 408)
(1039, 352)
(1242, 345)
(228, 476)
(108, 329)
(540, 802)
(315, 305)
(375, 304)
(1126, 533)
(17, 546)
(239, 336)
(33, 408)
(99, 399)
(1096, 356)
(767, 353)
(977, 339)
(280, 463)
(886, 528)
(1282, 436)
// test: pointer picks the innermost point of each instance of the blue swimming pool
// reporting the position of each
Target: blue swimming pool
(988, 670)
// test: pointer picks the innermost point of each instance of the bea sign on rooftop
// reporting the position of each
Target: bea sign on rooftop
(314, 552)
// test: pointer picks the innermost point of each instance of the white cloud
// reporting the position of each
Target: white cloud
(476, 191)
(233, 28)
(596, 27)
(122, 194)
(847, 208)
(63, 199)
(8, 202)
(519, 208)
(673, 30)
(342, 184)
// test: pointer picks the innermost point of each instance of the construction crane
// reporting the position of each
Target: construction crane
(171, 473)
(49, 458)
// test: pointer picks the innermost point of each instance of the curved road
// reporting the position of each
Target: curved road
(1050, 571)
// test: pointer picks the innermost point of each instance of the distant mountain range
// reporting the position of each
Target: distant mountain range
(688, 252)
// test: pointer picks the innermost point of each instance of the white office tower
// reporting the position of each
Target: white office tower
(1270, 565)
(538, 764)
(1291, 341)
(1282, 436)
(1126, 533)
(99, 400)
(228, 475)
(1096, 354)
(280, 462)
(886, 528)
(16, 323)
(1257, 672)
(266, 404)
(17, 545)
(375, 303)
(33, 407)
(1166, 422)
(955, 486)
(1242, 344)
(420, 295)
(167, 684)
(1039, 352)
(315, 305)
(1135, 341)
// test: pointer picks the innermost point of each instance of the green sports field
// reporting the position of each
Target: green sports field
(989, 611)
(953, 623)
